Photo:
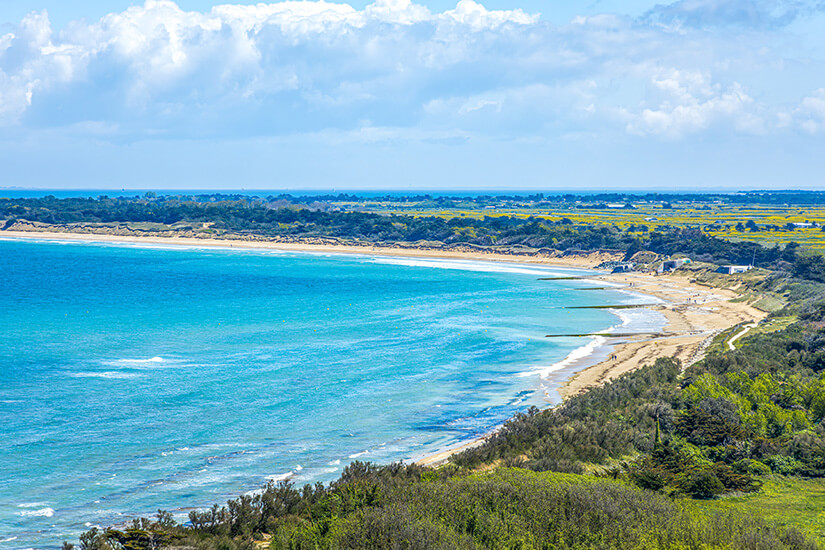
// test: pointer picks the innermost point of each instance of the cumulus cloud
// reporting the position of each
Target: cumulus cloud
(29, 61)
(314, 67)
(810, 114)
(691, 102)
(162, 58)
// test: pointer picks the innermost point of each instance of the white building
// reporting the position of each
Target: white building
(731, 269)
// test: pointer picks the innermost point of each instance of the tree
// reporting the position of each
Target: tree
(704, 485)
(94, 539)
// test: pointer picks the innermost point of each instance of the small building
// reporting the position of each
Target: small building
(673, 265)
(731, 269)
(624, 267)
(804, 225)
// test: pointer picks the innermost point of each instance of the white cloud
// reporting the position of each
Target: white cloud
(690, 102)
(478, 17)
(307, 67)
(811, 112)
(30, 62)
(241, 51)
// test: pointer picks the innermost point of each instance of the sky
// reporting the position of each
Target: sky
(590, 95)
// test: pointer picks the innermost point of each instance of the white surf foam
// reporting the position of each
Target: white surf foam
(139, 361)
(280, 477)
(634, 297)
(42, 512)
(105, 374)
(638, 320)
(469, 265)
(576, 355)
(624, 317)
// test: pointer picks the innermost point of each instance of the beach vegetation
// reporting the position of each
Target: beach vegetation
(390, 507)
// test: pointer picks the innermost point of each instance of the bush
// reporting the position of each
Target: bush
(784, 465)
(752, 467)
(506, 508)
(704, 485)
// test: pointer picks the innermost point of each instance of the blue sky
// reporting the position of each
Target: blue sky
(672, 96)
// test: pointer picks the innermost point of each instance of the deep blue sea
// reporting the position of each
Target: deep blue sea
(134, 378)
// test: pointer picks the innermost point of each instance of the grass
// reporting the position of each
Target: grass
(774, 324)
(725, 221)
(720, 341)
(720, 220)
(794, 502)
(769, 304)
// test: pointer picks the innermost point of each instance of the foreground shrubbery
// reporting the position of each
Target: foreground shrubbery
(403, 508)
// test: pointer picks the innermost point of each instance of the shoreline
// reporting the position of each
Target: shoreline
(694, 314)
(414, 250)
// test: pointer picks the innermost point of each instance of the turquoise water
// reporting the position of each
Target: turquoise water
(137, 378)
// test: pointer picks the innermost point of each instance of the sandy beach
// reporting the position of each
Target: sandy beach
(694, 313)
(322, 245)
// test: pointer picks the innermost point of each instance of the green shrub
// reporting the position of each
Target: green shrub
(752, 467)
(784, 465)
(704, 484)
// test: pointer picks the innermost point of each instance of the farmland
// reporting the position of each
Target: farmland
(756, 223)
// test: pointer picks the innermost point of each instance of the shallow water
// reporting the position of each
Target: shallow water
(134, 378)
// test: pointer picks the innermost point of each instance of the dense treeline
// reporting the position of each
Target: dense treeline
(246, 216)
(405, 507)
(607, 422)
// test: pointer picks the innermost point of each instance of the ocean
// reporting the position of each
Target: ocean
(142, 377)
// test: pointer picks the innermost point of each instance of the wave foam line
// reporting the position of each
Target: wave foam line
(105, 374)
(280, 477)
(469, 265)
(623, 317)
(574, 356)
(150, 360)
(638, 320)
(43, 512)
